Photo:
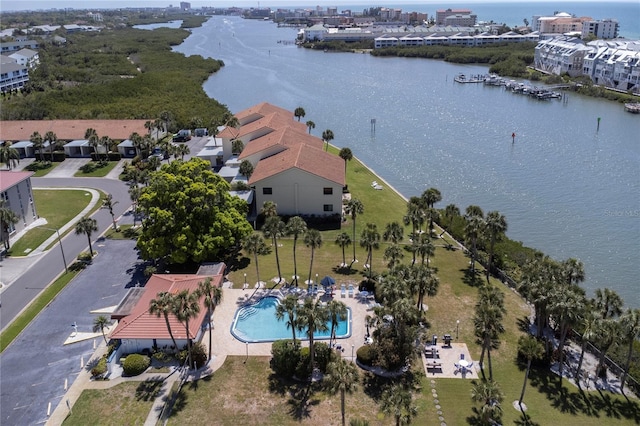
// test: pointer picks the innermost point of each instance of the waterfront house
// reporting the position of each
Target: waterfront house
(16, 192)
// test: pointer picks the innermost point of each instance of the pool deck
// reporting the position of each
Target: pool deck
(224, 343)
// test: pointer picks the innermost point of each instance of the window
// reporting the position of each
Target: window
(328, 207)
(267, 191)
(328, 191)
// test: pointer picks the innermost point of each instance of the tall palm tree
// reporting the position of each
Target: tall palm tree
(53, 142)
(423, 247)
(296, 226)
(313, 315)
(487, 393)
(38, 143)
(496, 225)
(530, 348)
(9, 156)
(94, 140)
(474, 225)
(182, 150)
(327, 136)
(337, 312)
(136, 141)
(186, 306)
(607, 331)
(572, 271)
(299, 113)
(487, 328)
(212, 298)
(343, 240)
(7, 218)
(370, 240)
(87, 226)
(108, 203)
(415, 215)
(566, 305)
(393, 254)
(134, 194)
(254, 244)
(426, 281)
(430, 197)
(310, 125)
(397, 401)
(346, 155)
(105, 142)
(608, 303)
(393, 232)
(342, 377)
(450, 213)
(313, 240)
(588, 323)
(162, 305)
(99, 324)
(289, 307)
(630, 325)
(275, 228)
(269, 209)
(353, 207)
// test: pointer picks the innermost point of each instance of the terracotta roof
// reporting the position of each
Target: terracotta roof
(70, 129)
(9, 179)
(285, 137)
(140, 324)
(303, 157)
(262, 109)
(269, 122)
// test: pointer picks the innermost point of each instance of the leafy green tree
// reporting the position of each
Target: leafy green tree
(186, 306)
(9, 156)
(312, 315)
(189, 215)
(354, 208)
(246, 168)
(108, 203)
(87, 226)
(346, 155)
(327, 136)
(273, 229)
(487, 393)
(38, 144)
(162, 305)
(310, 125)
(254, 244)
(237, 146)
(7, 218)
(212, 298)
(313, 240)
(296, 226)
(343, 240)
(99, 324)
(289, 307)
(496, 225)
(299, 113)
(370, 240)
(397, 401)
(342, 377)
(530, 348)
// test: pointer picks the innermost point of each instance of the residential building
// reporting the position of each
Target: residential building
(12, 76)
(445, 38)
(26, 57)
(17, 194)
(603, 29)
(560, 55)
(443, 14)
(14, 46)
(560, 23)
(68, 130)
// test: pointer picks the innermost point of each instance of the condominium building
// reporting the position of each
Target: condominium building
(604, 29)
(442, 14)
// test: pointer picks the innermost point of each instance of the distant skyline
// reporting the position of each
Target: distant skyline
(13, 5)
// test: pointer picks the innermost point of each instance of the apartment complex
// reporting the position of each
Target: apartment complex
(603, 29)
(461, 17)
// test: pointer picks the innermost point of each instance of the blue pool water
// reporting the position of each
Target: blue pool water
(258, 323)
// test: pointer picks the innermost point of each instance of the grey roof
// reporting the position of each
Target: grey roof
(127, 143)
(81, 142)
(129, 301)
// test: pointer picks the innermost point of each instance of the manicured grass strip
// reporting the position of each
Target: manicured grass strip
(125, 404)
(23, 320)
(100, 172)
(44, 172)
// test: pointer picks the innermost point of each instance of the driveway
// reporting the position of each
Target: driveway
(35, 366)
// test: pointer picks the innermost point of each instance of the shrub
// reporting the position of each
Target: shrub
(284, 358)
(364, 355)
(135, 364)
(85, 257)
(324, 355)
(89, 167)
(303, 369)
(100, 368)
(38, 165)
(199, 354)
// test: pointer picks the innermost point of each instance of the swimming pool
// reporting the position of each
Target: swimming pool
(257, 323)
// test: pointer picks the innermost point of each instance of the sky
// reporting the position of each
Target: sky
(9, 5)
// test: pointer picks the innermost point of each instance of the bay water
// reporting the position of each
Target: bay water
(569, 185)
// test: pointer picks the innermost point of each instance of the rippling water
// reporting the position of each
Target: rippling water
(564, 187)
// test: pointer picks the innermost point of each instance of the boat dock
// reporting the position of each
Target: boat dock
(461, 78)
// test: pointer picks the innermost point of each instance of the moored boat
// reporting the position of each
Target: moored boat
(632, 107)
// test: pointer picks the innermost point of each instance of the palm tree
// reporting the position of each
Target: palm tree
(566, 305)
(162, 305)
(299, 113)
(182, 150)
(346, 155)
(296, 226)
(423, 247)
(630, 324)
(343, 240)
(473, 228)
(530, 348)
(393, 254)
(94, 140)
(354, 207)
(137, 142)
(496, 224)
(393, 232)
(134, 194)
(450, 213)
(310, 125)
(9, 156)
(607, 331)
(488, 326)
(254, 244)
(314, 316)
(87, 226)
(105, 142)
(426, 281)
(327, 136)
(212, 298)
(589, 322)
(7, 218)
(269, 209)
(313, 240)
(99, 324)
(289, 307)
(370, 240)
(608, 303)
(430, 197)
(186, 305)
(572, 271)
(53, 142)
(397, 401)
(337, 312)
(109, 204)
(487, 393)
(415, 214)
(342, 377)
(38, 143)
(275, 228)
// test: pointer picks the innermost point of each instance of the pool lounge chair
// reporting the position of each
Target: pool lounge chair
(350, 290)
(343, 291)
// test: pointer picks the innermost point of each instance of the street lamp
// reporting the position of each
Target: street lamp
(245, 280)
(247, 358)
(61, 249)
(457, 328)
(352, 347)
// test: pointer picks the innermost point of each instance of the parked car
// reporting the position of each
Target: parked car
(182, 136)
(200, 132)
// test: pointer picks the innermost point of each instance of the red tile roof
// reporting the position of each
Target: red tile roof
(303, 157)
(261, 110)
(9, 178)
(285, 137)
(269, 123)
(70, 129)
(140, 324)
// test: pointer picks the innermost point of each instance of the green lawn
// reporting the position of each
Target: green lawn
(100, 172)
(58, 207)
(44, 172)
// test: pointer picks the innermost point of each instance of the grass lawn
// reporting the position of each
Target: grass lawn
(99, 172)
(124, 404)
(44, 172)
(58, 207)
